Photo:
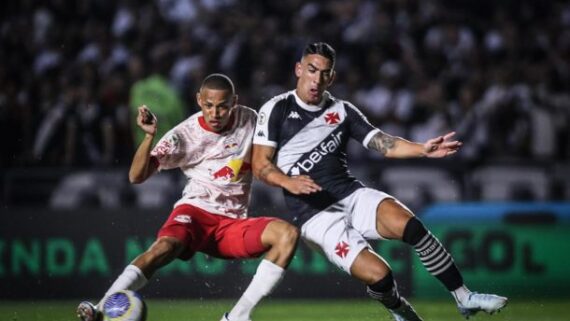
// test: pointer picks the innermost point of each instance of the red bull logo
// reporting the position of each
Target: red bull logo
(225, 172)
(232, 170)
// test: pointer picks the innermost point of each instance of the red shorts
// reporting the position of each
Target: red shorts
(215, 235)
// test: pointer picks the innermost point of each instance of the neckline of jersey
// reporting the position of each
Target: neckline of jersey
(229, 125)
(308, 107)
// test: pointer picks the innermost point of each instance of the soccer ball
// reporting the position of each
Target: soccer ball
(124, 306)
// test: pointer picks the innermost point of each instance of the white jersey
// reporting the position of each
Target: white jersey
(217, 165)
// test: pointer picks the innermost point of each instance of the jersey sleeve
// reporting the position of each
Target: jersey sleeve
(360, 128)
(268, 125)
(170, 151)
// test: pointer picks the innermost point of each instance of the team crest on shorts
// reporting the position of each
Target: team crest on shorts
(342, 249)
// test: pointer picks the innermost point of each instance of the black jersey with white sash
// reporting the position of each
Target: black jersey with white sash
(311, 140)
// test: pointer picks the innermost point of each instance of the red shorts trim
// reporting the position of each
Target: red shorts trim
(215, 235)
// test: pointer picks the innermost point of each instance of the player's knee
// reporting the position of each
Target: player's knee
(289, 236)
(376, 272)
(392, 218)
(369, 268)
(384, 284)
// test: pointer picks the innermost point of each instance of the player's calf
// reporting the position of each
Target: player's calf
(433, 255)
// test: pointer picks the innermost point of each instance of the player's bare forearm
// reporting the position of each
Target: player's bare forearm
(395, 147)
(141, 167)
(272, 175)
(266, 171)
(263, 167)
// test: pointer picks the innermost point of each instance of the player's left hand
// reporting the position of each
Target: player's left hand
(441, 146)
(301, 185)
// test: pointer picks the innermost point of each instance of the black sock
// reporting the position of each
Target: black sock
(432, 254)
(386, 292)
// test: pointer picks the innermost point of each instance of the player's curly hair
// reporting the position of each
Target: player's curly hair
(321, 48)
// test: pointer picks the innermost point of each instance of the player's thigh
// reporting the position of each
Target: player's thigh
(241, 238)
(190, 226)
(378, 215)
(364, 208)
(329, 233)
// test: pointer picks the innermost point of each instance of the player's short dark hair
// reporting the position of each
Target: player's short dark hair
(321, 48)
(219, 82)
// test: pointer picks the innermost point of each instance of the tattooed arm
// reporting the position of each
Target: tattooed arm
(263, 167)
(397, 147)
(266, 171)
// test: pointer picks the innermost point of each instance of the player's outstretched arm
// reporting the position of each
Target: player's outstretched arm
(397, 147)
(266, 171)
(141, 167)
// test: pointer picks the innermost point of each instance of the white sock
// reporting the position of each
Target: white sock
(461, 294)
(264, 281)
(132, 278)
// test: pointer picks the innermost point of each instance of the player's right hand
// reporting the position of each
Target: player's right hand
(146, 120)
(301, 185)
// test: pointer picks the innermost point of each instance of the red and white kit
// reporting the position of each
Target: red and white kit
(211, 216)
(217, 165)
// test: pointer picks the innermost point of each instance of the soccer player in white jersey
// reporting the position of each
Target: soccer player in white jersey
(213, 149)
(307, 130)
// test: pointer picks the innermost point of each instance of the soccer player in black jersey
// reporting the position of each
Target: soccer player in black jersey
(300, 145)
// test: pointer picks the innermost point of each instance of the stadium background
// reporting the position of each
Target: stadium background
(72, 72)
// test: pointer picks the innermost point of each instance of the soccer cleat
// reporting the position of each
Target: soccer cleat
(405, 312)
(476, 302)
(86, 311)
(225, 317)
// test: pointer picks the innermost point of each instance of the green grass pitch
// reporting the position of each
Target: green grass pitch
(292, 310)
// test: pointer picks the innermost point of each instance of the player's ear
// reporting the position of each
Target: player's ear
(298, 69)
(333, 77)
(198, 99)
(235, 100)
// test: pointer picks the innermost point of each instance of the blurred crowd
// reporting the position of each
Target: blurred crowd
(73, 72)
